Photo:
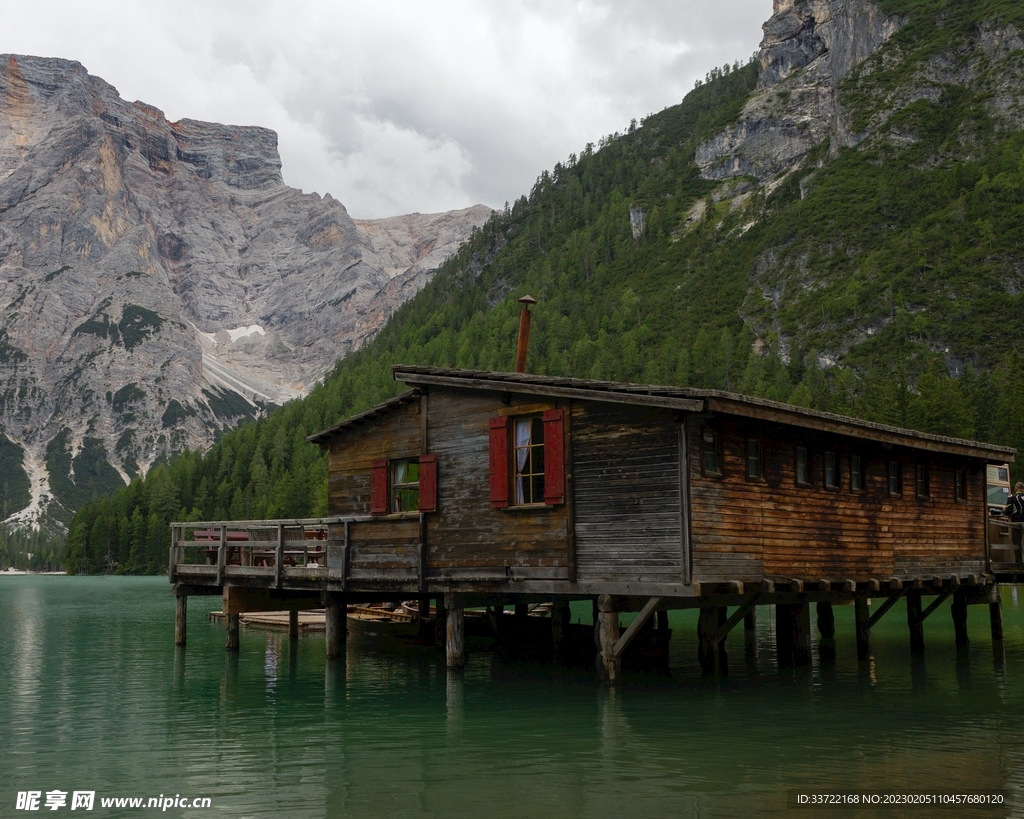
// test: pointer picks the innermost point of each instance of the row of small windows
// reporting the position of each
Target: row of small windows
(711, 464)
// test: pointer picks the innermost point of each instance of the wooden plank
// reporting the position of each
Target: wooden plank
(890, 601)
(522, 388)
(636, 625)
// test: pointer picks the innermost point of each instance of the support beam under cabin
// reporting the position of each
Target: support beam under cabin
(334, 623)
(915, 622)
(995, 614)
(180, 619)
(959, 613)
(606, 626)
(711, 652)
(293, 625)
(231, 634)
(826, 620)
(793, 634)
(455, 632)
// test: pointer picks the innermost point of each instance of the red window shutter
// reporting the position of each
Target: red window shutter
(428, 483)
(379, 488)
(554, 457)
(499, 462)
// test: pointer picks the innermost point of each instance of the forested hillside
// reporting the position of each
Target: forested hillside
(883, 281)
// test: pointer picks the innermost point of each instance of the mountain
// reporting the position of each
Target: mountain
(835, 224)
(160, 283)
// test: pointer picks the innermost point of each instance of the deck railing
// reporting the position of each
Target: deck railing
(307, 548)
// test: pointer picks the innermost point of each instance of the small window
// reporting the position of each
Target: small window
(856, 474)
(921, 480)
(803, 468)
(405, 485)
(895, 484)
(528, 461)
(960, 484)
(754, 459)
(710, 462)
(1004, 473)
(831, 471)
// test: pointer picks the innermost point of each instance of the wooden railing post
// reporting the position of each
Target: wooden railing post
(222, 554)
(279, 556)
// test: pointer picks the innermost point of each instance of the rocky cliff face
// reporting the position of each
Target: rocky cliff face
(809, 48)
(160, 281)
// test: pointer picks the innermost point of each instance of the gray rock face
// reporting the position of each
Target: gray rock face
(809, 47)
(159, 280)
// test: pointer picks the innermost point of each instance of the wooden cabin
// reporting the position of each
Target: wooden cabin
(494, 487)
(598, 487)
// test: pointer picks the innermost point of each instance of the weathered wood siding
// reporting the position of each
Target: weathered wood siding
(748, 529)
(466, 532)
(395, 434)
(626, 493)
(388, 544)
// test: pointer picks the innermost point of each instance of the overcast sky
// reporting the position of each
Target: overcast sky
(395, 106)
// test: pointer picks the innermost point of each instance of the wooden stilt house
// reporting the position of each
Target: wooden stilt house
(594, 487)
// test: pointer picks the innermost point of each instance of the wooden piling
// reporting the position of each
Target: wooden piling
(231, 635)
(455, 632)
(959, 613)
(826, 620)
(335, 625)
(180, 619)
(915, 622)
(440, 625)
(862, 615)
(609, 665)
(995, 614)
(293, 625)
(710, 652)
(750, 636)
(561, 617)
(802, 634)
(662, 621)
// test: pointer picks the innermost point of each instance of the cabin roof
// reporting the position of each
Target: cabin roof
(380, 409)
(695, 400)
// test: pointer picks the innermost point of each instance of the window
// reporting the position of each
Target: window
(528, 461)
(895, 483)
(754, 471)
(529, 450)
(803, 468)
(831, 471)
(921, 480)
(710, 462)
(960, 484)
(856, 474)
(405, 485)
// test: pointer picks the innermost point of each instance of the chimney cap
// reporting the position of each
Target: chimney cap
(527, 299)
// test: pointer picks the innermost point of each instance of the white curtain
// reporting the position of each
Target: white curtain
(523, 431)
(400, 469)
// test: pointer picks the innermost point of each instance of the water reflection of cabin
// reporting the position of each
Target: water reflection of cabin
(511, 486)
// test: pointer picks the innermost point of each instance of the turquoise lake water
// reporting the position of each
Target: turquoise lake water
(95, 697)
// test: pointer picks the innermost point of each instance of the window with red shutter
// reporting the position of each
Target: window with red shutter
(428, 483)
(379, 488)
(554, 458)
(499, 462)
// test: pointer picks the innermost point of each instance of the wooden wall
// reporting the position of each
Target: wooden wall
(745, 530)
(626, 493)
(466, 532)
(390, 544)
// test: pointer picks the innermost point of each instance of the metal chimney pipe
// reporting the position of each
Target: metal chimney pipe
(524, 333)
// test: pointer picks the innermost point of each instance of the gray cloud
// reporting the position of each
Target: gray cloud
(400, 106)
